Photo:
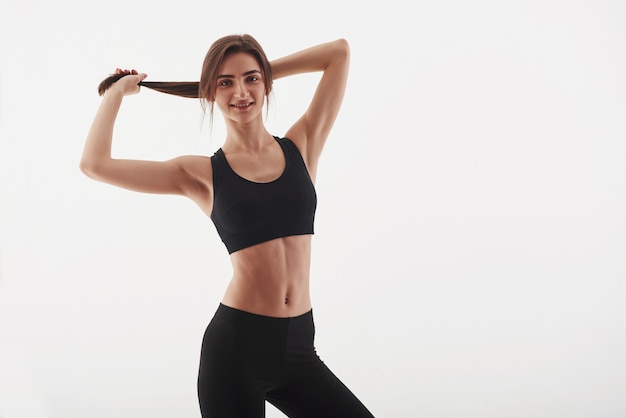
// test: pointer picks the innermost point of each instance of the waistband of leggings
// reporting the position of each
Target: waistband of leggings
(233, 314)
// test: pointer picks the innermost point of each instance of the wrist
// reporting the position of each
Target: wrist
(114, 92)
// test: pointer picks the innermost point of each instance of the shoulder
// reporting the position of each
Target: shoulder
(195, 162)
(199, 170)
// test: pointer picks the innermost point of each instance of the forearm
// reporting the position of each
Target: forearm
(98, 144)
(315, 58)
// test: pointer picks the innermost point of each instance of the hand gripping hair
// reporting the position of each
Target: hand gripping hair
(178, 88)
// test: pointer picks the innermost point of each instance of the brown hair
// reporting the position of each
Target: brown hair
(177, 88)
(205, 88)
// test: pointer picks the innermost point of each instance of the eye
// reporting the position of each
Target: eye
(224, 83)
(253, 78)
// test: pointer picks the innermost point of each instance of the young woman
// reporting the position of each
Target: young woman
(259, 191)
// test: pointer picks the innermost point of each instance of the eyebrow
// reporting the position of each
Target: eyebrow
(232, 76)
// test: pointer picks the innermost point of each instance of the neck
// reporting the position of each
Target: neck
(250, 136)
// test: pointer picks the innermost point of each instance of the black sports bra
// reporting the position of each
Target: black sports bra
(246, 213)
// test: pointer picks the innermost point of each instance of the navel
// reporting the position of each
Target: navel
(286, 300)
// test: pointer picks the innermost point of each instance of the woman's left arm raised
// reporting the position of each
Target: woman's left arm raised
(311, 130)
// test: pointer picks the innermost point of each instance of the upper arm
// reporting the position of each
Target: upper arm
(187, 175)
(312, 129)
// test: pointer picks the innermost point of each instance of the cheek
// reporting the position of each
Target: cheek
(260, 93)
(221, 99)
(221, 103)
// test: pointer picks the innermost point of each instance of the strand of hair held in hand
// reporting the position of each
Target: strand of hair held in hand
(178, 88)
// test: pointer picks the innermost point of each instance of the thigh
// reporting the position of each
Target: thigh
(226, 386)
(321, 394)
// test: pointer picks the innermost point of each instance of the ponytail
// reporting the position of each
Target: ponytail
(189, 89)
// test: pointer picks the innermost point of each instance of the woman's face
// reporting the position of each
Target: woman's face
(240, 91)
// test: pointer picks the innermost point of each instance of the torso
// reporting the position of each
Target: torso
(271, 278)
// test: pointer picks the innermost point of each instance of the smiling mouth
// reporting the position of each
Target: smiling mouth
(242, 105)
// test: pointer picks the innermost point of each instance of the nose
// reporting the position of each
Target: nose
(241, 92)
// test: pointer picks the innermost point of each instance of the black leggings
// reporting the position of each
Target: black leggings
(247, 359)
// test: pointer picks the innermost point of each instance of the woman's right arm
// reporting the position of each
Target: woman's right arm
(176, 176)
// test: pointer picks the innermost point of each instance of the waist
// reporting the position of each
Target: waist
(272, 278)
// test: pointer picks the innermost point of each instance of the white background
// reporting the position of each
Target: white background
(470, 247)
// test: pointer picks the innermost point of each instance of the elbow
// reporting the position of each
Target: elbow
(85, 168)
(88, 168)
(342, 47)
(341, 50)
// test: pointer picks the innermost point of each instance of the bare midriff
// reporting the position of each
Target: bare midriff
(272, 278)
